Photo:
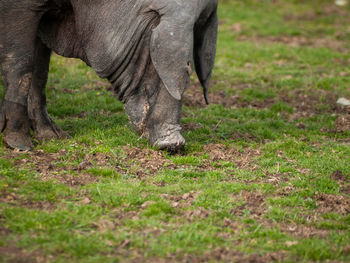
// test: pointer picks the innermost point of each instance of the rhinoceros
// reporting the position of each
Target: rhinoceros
(147, 49)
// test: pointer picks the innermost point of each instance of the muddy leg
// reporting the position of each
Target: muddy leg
(163, 122)
(43, 126)
(155, 113)
(18, 27)
(14, 118)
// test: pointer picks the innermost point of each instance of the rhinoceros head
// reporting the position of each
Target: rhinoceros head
(186, 35)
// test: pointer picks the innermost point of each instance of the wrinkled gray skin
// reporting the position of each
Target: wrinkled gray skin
(147, 49)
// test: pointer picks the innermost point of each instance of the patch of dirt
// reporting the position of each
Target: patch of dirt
(97, 159)
(278, 178)
(137, 161)
(97, 85)
(299, 41)
(303, 231)
(191, 126)
(245, 136)
(342, 123)
(342, 180)
(147, 161)
(286, 191)
(18, 255)
(254, 202)
(14, 199)
(193, 97)
(140, 162)
(3, 230)
(219, 152)
(46, 165)
(72, 180)
(225, 255)
(119, 215)
(180, 201)
(345, 189)
(199, 213)
(326, 11)
(308, 16)
(103, 225)
(339, 176)
(342, 61)
(332, 203)
(305, 104)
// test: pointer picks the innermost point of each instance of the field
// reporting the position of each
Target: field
(264, 177)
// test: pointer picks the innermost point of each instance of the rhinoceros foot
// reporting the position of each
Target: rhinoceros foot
(49, 131)
(169, 139)
(14, 120)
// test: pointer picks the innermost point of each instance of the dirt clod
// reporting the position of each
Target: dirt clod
(254, 202)
(342, 123)
(298, 41)
(194, 98)
(18, 255)
(219, 152)
(146, 161)
(192, 215)
(339, 176)
(333, 203)
(147, 204)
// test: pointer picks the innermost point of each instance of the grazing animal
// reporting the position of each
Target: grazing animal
(147, 49)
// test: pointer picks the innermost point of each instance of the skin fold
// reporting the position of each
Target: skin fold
(147, 49)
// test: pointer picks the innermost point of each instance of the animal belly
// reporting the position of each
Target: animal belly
(57, 30)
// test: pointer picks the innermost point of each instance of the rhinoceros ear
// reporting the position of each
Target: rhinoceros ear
(205, 50)
(172, 54)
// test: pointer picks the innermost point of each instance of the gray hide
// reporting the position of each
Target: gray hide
(146, 49)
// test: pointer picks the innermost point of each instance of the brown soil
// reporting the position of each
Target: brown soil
(140, 162)
(18, 255)
(339, 176)
(191, 126)
(303, 231)
(185, 200)
(254, 202)
(146, 161)
(333, 203)
(342, 123)
(343, 181)
(136, 161)
(310, 15)
(219, 152)
(225, 255)
(14, 199)
(72, 180)
(97, 85)
(299, 41)
(193, 97)
(306, 103)
(96, 159)
(199, 213)
(46, 164)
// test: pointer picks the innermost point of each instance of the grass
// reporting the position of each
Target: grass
(265, 175)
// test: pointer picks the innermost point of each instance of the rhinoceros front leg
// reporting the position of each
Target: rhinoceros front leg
(155, 113)
(163, 122)
(18, 26)
(44, 128)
